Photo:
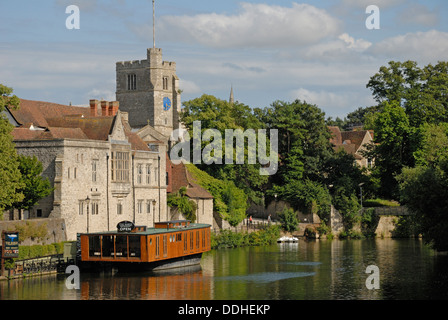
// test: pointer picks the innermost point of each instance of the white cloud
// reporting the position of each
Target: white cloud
(189, 87)
(100, 94)
(334, 104)
(357, 45)
(423, 47)
(257, 25)
(320, 98)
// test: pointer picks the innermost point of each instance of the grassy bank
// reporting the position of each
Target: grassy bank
(231, 239)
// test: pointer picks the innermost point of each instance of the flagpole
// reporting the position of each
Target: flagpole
(153, 24)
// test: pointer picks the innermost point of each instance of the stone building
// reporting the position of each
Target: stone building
(181, 177)
(102, 172)
(108, 163)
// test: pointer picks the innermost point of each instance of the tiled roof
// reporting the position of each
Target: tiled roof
(67, 122)
(37, 112)
(181, 177)
(355, 137)
(95, 128)
(62, 133)
(336, 138)
(25, 134)
(350, 141)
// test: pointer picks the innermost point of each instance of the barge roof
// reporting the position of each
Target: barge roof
(151, 231)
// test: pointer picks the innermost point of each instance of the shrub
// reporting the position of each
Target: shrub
(230, 239)
(288, 219)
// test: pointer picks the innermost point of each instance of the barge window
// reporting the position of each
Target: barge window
(185, 241)
(157, 246)
(95, 246)
(164, 246)
(108, 246)
(134, 247)
(203, 238)
(197, 239)
(121, 246)
(191, 240)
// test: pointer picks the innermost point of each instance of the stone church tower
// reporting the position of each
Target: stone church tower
(149, 91)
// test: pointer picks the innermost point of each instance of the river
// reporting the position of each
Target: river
(309, 270)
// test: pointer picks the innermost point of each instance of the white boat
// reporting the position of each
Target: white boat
(287, 239)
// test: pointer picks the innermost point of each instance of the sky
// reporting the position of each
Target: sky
(321, 52)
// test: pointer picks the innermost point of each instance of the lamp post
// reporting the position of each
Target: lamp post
(360, 192)
(88, 203)
(154, 211)
(275, 207)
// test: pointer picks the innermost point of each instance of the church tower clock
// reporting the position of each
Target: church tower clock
(149, 91)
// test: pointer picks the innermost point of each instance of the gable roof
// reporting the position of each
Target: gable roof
(181, 177)
(95, 128)
(355, 137)
(349, 141)
(67, 122)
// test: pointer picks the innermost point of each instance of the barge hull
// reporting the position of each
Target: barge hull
(180, 262)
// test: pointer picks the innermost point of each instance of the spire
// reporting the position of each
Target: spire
(231, 99)
(153, 24)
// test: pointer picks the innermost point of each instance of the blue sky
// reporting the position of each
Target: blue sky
(317, 51)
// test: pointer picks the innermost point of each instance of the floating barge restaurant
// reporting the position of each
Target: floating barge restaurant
(169, 244)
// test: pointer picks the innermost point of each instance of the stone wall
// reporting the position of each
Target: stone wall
(56, 230)
(275, 207)
(386, 226)
(336, 223)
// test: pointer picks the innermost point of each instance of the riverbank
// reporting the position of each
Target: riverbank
(231, 239)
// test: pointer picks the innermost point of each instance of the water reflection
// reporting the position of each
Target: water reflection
(308, 270)
(176, 284)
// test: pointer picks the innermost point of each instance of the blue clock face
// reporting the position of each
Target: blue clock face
(166, 104)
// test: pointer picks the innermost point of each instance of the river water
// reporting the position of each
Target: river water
(309, 270)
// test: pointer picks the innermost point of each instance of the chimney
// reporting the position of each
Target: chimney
(104, 108)
(94, 108)
(113, 108)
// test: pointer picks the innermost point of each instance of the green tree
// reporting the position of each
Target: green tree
(35, 187)
(229, 201)
(399, 82)
(288, 219)
(10, 176)
(214, 113)
(309, 165)
(349, 208)
(432, 142)
(393, 148)
(303, 134)
(424, 190)
(184, 204)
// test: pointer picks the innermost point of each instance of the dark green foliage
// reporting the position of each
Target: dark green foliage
(230, 239)
(229, 201)
(214, 113)
(35, 187)
(288, 219)
(10, 176)
(186, 206)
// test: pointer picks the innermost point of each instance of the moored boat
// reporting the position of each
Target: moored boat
(168, 244)
(287, 239)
